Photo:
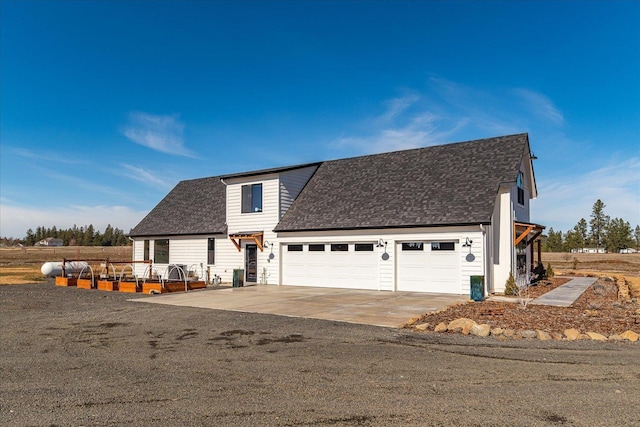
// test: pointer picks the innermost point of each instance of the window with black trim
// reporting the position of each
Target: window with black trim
(339, 247)
(520, 185)
(443, 246)
(161, 251)
(294, 248)
(252, 198)
(316, 247)
(413, 246)
(364, 247)
(211, 251)
(145, 252)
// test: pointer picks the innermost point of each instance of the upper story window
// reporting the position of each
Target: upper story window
(252, 198)
(520, 184)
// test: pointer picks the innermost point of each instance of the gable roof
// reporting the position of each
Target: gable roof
(451, 184)
(196, 206)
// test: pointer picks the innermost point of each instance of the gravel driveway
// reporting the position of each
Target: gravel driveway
(82, 357)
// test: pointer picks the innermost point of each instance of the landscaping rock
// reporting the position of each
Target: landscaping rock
(422, 327)
(557, 336)
(528, 334)
(584, 337)
(572, 334)
(629, 336)
(497, 331)
(596, 336)
(440, 327)
(461, 325)
(509, 333)
(542, 335)
(615, 337)
(480, 330)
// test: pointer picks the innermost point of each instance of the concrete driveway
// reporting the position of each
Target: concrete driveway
(379, 308)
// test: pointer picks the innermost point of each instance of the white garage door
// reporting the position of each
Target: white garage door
(428, 267)
(337, 265)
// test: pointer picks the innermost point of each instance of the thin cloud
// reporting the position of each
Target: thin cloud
(16, 220)
(540, 105)
(615, 183)
(160, 133)
(48, 156)
(143, 175)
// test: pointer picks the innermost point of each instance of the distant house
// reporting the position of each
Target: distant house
(628, 251)
(50, 241)
(589, 251)
(422, 220)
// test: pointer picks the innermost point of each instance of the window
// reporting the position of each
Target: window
(252, 198)
(443, 246)
(364, 247)
(413, 246)
(316, 248)
(161, 251)
(339, 247)
(294, 248)
(520, 184)
(145, 254)
(211, 251)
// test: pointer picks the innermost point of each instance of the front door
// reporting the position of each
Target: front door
(251, 263)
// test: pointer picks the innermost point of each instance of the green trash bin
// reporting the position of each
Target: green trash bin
(238, 278)
(477, 288)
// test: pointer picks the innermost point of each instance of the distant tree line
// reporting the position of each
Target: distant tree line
(600, 232)
(78, 236)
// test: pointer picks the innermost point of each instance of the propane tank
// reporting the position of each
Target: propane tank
(54, 268)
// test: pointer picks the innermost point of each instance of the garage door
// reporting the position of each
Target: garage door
(428, 267)
(335, 265)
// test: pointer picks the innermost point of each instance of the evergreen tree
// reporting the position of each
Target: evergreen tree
(598, 223)
(30, 238)
(582, 231)
(87, 238)
(554, 241)
(617, 235)
(636, 236)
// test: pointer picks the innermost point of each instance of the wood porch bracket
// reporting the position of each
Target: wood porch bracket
(257, 237)
(526, 228)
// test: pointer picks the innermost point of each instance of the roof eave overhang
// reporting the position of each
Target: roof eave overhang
(386, 227)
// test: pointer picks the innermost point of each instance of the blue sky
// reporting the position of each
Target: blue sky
(106, 105)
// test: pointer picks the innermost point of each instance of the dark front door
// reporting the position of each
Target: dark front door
(251, 263)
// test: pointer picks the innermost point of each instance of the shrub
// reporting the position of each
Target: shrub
(575, 263)
(550, 272)
(511, 288)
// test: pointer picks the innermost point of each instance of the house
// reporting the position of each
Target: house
(50, 241)
(589, 251)
(423, 220)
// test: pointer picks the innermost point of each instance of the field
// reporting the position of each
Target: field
(616, 265)
(22, 265)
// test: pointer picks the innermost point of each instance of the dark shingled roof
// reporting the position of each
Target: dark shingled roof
(449, 184)
(196, 206)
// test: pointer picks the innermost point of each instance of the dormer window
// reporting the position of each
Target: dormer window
(520, 184)
(252, 198)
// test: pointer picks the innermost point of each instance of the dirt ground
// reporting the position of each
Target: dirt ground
(597, 310)
(90, 358)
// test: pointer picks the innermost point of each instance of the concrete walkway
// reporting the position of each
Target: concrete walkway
(565, 295)
(379, 308)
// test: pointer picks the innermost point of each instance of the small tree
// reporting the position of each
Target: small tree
(511, 288)
(550, 272)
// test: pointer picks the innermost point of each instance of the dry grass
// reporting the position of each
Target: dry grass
(20, 266)
(612, 264)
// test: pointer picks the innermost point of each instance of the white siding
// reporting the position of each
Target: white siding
(291, 183)
(265, 221)
(387, 269)
(503, 250)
